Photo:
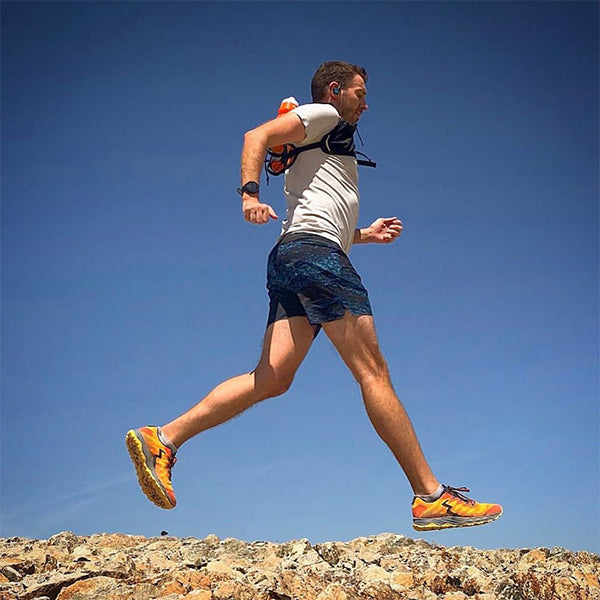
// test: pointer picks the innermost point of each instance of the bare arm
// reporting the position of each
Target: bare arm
(381, 231)
(286, 129)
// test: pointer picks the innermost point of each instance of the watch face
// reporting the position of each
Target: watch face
(251, 187)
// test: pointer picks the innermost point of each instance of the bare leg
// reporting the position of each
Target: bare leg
(285, 345)
(356, 341)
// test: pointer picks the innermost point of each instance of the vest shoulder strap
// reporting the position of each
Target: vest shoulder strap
(339, 141)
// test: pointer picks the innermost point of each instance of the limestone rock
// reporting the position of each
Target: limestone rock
(381, 567)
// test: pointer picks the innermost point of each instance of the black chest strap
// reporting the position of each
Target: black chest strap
(339, 141)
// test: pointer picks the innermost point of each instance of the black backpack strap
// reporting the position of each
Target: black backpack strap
(339, 141)
(308, 147)
(365, 161)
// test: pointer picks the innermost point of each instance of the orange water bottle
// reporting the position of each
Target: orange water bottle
(286, 105)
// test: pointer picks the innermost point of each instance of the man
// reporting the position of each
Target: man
(313, 285)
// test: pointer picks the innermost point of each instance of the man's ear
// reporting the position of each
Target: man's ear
(333, 91)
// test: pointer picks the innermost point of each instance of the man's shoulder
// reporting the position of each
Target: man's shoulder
(317, 109)
(318, 119)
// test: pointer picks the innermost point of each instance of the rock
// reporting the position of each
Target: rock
(51, 586)
(66, 539)
(95, 587)
(382, 567)
(10, 573)
(198, 595)
(333, 592)
(403, 581)
(222, 568)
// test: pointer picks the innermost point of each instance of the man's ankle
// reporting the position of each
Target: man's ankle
(432, 496)
(166, 440)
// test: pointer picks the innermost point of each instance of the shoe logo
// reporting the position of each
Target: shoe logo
(448, 508)
(156, 457)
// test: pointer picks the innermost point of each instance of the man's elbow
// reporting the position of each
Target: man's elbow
(255, 137)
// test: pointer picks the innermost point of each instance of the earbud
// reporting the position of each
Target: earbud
(336, 90)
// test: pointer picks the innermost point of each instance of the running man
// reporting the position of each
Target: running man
(312, 285)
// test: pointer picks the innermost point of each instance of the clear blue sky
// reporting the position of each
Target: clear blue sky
(131, 284)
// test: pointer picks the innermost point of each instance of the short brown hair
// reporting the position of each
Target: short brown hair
(339, 71)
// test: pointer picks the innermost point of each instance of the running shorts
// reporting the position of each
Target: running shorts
(311, 276)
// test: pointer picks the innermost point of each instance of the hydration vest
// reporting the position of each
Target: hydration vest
(339, 141)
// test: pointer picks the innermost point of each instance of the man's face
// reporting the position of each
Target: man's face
(353, 100)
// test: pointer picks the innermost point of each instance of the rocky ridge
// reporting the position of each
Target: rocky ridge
(382, 567)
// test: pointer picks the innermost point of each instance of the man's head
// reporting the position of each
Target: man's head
(343, 85)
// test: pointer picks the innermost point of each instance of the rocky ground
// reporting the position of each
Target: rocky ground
(382, 567)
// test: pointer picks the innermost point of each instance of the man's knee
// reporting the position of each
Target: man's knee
(270, 383)
(279, 385)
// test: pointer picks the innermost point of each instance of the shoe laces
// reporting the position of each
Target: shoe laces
(170, 460)
(171, 463)
(456, 492)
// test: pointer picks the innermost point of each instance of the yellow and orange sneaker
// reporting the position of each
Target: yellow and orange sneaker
(153, 462)
(452, 509)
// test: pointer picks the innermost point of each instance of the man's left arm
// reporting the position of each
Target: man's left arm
(382, 231)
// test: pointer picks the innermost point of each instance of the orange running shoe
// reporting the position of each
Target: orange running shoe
(153, 462)
(452, 509)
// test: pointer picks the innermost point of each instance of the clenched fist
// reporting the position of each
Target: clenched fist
(256, 212)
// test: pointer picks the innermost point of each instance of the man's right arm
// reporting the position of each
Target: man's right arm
(287, 129)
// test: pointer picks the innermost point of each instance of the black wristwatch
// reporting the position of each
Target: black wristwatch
(250, 188)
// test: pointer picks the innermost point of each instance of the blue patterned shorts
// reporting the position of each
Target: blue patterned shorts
(309, 275)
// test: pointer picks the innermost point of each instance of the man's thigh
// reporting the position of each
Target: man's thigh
(285, 346)
(355, 339)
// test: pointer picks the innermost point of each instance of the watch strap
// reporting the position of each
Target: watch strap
(250, 187)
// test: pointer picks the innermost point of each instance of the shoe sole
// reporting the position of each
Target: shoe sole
(452, 522)
(146, 479)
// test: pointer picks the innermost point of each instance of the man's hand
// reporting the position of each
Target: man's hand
(381, 231)
(255, 211)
